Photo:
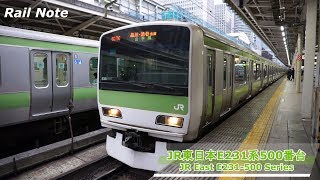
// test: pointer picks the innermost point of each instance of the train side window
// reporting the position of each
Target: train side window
(265, 71)
(272, 71)
(240, 71)
(40, 70)
(262, 70)
(258, 71)
(224, 73)
(231, 75)
(0, 73)
(254, 71)
(249, 70)
(93, 65)
(209, 59)
(61, 70)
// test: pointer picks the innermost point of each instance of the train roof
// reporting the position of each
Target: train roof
(206, 32)
(224, 40)
(42, 36)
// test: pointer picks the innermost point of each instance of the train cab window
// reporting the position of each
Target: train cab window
(40, 70)
(93, 65)
(224, 73)
(240, 71)
(61, 70)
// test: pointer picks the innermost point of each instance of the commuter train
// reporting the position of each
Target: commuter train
(168, 81)
(42, 74)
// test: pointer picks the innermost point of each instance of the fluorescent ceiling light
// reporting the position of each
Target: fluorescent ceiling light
(284, 38)
(283, 34)
(282, 28)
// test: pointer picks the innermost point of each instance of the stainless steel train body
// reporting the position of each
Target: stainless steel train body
(171, 80)
(40, 73)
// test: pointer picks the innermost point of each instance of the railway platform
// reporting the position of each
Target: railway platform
(269, 122)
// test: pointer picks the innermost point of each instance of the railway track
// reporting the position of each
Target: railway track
(106, 168)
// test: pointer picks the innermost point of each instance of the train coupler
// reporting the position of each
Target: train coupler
(117, 149)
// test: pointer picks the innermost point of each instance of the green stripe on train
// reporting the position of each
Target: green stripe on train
(84, 93)
(143, 101)
(22, 99)
(14, 100)
(43, 44)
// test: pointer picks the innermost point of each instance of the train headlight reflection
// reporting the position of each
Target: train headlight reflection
(111, 112)
(170, 121)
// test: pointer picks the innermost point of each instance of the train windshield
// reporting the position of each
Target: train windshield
(151, 59)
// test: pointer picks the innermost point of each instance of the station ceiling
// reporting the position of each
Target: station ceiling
(88, 21)
(84, 20)
(267, 16)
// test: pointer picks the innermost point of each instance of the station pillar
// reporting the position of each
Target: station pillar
(298, 64)
(307, 89)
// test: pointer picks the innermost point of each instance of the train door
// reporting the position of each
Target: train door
(50, 82)
(227, 83)
(210, 86)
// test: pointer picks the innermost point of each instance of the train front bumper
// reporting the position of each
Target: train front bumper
(136, 159)
(151, 132)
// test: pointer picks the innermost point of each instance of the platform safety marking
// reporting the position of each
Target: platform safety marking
(259, 128)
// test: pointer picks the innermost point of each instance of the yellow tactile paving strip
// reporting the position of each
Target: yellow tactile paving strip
(261, 128)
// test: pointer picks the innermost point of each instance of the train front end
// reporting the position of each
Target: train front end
(143, 91)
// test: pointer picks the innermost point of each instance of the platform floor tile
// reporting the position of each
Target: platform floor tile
(231, 133)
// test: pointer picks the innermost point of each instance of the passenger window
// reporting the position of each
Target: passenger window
(240, 68)
(93, 65)
(254, 71)
(249, 72)
(40, 70)
(209, 59)
(231, 75)
(0, 73)
(61, 70)
(258, 71)
(265, 71)
(272, 70)
(224, 73)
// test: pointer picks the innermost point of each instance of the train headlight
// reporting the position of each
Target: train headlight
(111, 112)
(170, 121)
